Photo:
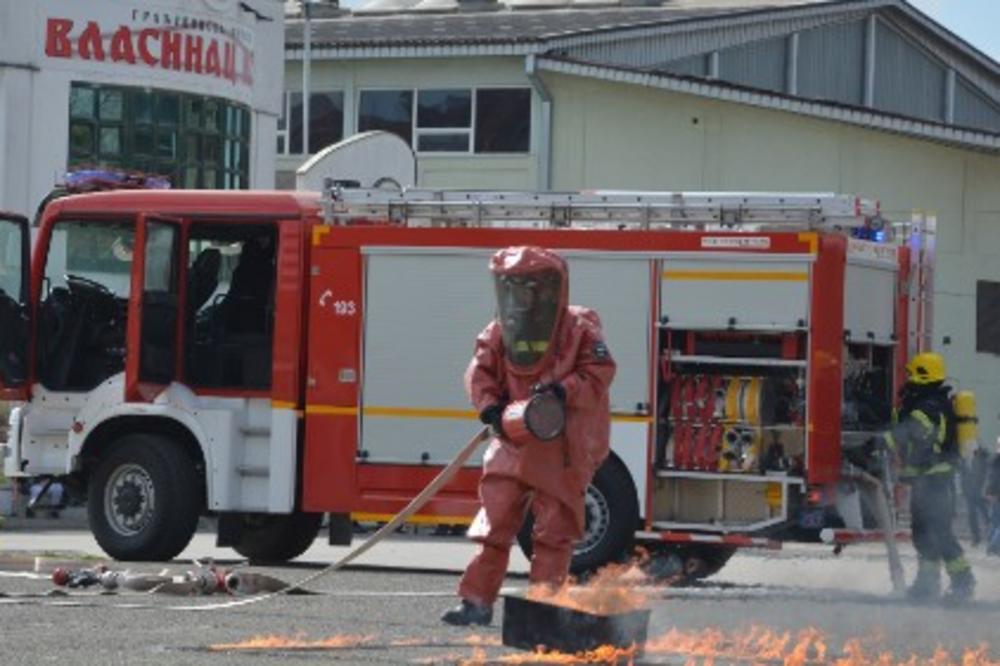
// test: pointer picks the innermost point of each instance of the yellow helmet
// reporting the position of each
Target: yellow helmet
(926, 368)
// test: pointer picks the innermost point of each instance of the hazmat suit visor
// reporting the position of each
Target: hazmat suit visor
(528, 310)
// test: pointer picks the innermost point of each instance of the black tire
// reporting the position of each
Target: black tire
(144, 499)
(275, 538)
(683, 565)
(612, 514)
(704, 561)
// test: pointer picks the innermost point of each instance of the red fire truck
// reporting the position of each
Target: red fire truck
(272, 357)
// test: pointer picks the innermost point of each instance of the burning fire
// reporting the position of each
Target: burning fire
(611, 591)
(759, 645)
(297, 642)
(805, 648)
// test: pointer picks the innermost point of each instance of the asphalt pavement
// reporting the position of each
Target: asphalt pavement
(760, 609)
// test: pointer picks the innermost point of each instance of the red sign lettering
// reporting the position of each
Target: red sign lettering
(170, 52)
(212, 65)
(91, 44)
(171, 48)
(144, 36)
(57, 43)
(193, 46)
(121, 46)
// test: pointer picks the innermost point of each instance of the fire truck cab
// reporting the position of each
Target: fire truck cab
(271, 357)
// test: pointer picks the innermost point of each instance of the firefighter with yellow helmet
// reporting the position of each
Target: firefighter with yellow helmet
(925, 441)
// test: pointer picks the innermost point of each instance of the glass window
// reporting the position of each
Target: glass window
(326, 120)
(213, 121)
(503, 120)
(81, 140)
(111, 141)
(444, 109)
(192, 112)
(988, 317)
(166, 144)
(13, 303)
(159, 304)
(283, 115)
(84, 308)
(142, 107)
(81, 102)
(443, 143)
(164, 133)
(167, 109)
(389, 110)
(295, 126)
(11, 258)
(143, 140)
(111, 105)
(230, 314)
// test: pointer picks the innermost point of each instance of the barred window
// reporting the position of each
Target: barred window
(988, 317)
(195, 141)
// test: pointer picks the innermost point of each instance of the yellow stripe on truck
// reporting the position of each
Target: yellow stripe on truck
(736, 276)
(418, 519)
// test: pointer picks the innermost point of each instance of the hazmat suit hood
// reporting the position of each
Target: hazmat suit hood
(532, 292)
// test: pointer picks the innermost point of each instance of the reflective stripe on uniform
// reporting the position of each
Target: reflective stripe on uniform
(957, 566)
(940, 468)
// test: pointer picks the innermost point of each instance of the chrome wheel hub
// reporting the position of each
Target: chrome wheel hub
(129, 499)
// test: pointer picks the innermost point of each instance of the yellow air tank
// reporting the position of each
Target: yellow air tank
(964, 403)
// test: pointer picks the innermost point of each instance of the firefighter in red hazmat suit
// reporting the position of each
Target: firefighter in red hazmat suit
(536, 344)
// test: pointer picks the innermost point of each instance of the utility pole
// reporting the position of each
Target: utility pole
(306, 64)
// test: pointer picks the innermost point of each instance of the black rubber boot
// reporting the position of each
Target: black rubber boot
(467, 613)
(927, 585)
(963, 587)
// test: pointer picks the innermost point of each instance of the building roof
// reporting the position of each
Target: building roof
(507, 25)
(870, 62)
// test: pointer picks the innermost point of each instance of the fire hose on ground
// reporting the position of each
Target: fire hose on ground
(882, 495)
(439, 481)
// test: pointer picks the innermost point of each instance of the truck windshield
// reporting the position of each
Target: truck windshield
(13, 310)
(84, 307)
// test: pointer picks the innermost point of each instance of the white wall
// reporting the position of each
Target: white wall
(34, 86)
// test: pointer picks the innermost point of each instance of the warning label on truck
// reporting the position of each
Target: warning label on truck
(736, 242)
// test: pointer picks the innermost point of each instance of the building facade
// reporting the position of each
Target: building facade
(189, 90)
(858, 96)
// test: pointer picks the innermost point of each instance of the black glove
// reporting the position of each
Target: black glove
(493, 417)
(555, 388)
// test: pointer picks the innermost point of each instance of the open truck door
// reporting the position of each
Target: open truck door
(15, 313)
(154, 323)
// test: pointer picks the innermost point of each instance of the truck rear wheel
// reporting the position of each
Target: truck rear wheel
(273, 538)
(683, 565)
(144, 499)
(611, 511)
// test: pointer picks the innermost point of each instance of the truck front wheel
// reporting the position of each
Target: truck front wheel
(277, 538)
(144, 499)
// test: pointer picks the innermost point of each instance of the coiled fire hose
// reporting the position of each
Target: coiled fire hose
(439, 481)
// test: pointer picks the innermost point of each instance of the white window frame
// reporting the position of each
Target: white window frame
(416, 131)
(286, 134)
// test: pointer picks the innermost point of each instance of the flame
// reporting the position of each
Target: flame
(297, 642)
(806, 647)
(483, 641)
(611, 591)
(605, 654)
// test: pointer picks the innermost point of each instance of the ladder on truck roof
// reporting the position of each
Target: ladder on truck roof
(600, 209)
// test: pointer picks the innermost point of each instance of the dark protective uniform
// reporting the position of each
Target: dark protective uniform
(923, 439)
